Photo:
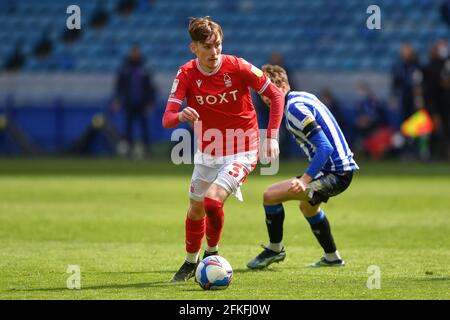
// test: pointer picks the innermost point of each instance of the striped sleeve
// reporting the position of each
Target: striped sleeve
(301, 119)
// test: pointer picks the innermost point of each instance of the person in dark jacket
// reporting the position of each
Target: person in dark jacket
(436, 94)
(136, 94)
(406, 74)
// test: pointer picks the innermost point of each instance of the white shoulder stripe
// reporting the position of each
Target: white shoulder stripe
(301, 107)
(296, 122)
(264, 86)
(314, 103)
(175, 100)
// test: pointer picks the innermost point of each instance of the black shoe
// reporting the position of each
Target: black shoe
(325, 263)
(208, 254)
(187, 271)
(266, 258)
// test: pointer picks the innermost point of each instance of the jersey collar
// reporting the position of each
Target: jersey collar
(214, 71)
(286, 98)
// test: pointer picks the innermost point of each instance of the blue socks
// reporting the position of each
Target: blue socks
(274, 222)
(321, 229)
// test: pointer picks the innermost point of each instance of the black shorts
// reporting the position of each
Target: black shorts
(328, 185)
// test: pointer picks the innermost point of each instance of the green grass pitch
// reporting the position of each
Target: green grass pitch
(122, 223)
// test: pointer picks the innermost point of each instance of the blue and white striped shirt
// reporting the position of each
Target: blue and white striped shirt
(305, 115)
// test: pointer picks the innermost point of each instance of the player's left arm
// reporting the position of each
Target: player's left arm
(256, 79)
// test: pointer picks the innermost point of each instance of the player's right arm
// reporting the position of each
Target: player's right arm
(172, 116)
(256, 79)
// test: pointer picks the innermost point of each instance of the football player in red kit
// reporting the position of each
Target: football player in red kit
(216, 88)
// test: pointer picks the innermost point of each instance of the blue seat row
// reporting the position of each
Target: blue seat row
(313, 35)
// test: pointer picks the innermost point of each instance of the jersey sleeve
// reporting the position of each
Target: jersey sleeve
(302, 119)
(175, 100)
(179, 88)
(253, 76)
(324, 149)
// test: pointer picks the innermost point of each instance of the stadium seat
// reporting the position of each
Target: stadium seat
(307, 33)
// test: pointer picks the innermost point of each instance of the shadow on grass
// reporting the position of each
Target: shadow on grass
(130, 272)
(108, 286)
(435, 278)
(246, 270)
(141, 285)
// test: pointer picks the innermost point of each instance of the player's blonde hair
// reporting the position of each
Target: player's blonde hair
(201, 29)
(276, 74)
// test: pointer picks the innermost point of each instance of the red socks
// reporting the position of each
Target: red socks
(195, 229)
(214, 221)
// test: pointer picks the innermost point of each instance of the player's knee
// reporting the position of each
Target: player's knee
(269, 197)
(214, 211)
(196, 210)
(307, 209)
(217, 193)
(212, 206)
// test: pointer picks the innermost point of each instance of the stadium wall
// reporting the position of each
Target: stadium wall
(54, 110)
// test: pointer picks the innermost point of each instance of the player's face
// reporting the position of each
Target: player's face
(208, 52)
(284, 88)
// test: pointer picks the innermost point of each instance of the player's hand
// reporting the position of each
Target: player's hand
(271, 149)
(297, 185)
(188, 115)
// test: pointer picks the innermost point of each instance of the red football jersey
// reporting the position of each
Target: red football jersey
(223, 102)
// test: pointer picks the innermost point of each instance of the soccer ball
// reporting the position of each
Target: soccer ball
(214, 273)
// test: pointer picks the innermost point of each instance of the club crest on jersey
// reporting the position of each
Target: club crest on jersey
(227, 80)
(199, 83)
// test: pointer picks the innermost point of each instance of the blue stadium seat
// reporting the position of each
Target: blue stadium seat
(304, 31)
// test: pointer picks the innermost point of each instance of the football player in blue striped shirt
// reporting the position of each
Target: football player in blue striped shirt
(330, 172)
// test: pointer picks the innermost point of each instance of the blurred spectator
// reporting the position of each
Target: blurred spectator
(406, 75)
(71, 35)
(126, 7)
(407, 78)
(99, 17)
(436, 97)
(44, 46)
(328, 98)
(15, 61)
(372, 130)
(136, 93)
(445, 11)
